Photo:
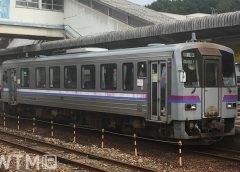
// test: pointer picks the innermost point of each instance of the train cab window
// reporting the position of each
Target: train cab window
(128, 76)
(24, 77)
(109, 76)
(41, 77)
(228, 69)
(190, 65)
(88, 77)
(238, 79)
(5, 78)
(70, 77)
(142, 69)
(54, 77)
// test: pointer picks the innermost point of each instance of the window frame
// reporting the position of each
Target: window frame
(223, 64)
(52, 67)
(76, 84)
(5, 78)
(36, 84)
(53, 6)
(199, 60)
(21, 81)
(123, 79)
(101, 79)
(27, 4)
(138, 76)
(94, 73)
(215, 72)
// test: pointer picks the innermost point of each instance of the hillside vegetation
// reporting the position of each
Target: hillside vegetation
(195, 6)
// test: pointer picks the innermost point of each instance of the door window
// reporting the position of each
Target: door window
(163, 79)
(211, 74)
(128, 76)
(5, 78)
(154, 89)
(25, 77)
(142, 69)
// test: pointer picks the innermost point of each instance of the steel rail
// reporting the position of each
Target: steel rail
(218, 153)
(73, 151)
(59, 158)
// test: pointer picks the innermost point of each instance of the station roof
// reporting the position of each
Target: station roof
(215, 27)
(128, 12)
(139, 11)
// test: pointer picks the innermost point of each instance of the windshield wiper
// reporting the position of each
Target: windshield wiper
(229, 90)
(194, 89)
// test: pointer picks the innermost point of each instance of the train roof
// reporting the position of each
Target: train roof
(151, 48)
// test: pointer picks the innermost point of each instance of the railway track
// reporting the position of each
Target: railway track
(219, 153)
(238, 115)
(76, 158)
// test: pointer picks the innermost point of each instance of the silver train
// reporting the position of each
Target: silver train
(182, 91)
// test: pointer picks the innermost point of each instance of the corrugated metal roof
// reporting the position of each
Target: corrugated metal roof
(214, 21)
(139, 11)
(226, 20)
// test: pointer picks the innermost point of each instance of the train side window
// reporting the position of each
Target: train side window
(5, 78)
(142, 69)
(128, 76)
(24, 77)
(54, 77)
(70, 77)
(88, 77)
(109, 76)
(41, 77)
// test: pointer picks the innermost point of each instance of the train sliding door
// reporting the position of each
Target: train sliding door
(211, 88)
(12, 87)
(159, 91)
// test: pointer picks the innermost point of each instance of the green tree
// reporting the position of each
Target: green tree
(195, 6)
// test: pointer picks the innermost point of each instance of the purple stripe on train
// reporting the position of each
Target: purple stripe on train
(184, 99)
(86, 94)
(230, 98)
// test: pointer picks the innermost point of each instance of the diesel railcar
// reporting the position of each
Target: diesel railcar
(182, 91)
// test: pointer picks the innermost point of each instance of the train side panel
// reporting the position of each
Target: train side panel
(131, 103)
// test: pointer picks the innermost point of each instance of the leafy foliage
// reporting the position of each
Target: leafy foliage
(195, 6)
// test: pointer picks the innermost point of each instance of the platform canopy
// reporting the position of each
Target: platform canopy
(221, 28)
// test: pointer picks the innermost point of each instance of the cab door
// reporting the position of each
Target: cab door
(158, 91)
(211, 90)
(12, 87)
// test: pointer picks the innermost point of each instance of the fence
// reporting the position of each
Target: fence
(75, 127)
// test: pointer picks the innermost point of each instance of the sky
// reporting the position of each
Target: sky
(142, 2)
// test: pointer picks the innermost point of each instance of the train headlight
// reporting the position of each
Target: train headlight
(190, 106)
(231, 105)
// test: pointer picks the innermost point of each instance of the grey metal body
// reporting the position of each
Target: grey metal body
(156, 56)
(125, 107)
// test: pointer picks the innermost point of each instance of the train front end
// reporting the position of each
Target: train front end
(206, 95)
